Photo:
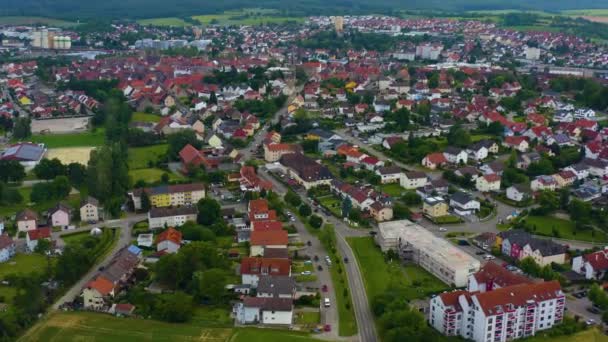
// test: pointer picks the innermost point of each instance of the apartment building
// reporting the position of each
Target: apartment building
(170, 195)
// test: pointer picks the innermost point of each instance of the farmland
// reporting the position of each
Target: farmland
(18, 20)
(246, 17)
(169, 21)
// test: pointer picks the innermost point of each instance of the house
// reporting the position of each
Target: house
(413, 180)
(580, 170)
(464, 204)
(493, 276)
(434, 160)
(390, 174)
(59, 216)
(542, 183)
(161, 217)
(27, 154)
(273, 151)
(169, 241)
(262, 239)
(33, 236)
(26, 220)
(252, 269)
(434, 207)
(263, 310)
(96, 292)
(517, 193)
(7, 247)
(488, 182)
(122, 309)
(593, 265)
(519, 244)
(89, 210)
(250, 181)
(478, 151)
(564, 178)
(381, 212)
(518, 143)
(305, 171)
(455, 155)
(276, 287)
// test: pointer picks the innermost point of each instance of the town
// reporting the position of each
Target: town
(340, 178)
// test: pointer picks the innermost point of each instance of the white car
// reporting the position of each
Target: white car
(326, 302)
(306, 273)
(489, 257)
(441, 229)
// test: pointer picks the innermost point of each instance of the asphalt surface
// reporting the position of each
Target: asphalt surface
(124, 240)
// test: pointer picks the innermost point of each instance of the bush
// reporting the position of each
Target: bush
(315, 221)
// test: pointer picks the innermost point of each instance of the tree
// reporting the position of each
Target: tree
(209, 211)
(11, 171)
(305, 210)
(212, 285)
(77, 173)
(175, 308)
(43, 246)
(347, 206)
(411, 198)
(310, 146)
(50, 168)
(292, 198)
(145, 201)
(22, 128)
(315, 221)
(458, 136)
(580, 211)
(177, 141)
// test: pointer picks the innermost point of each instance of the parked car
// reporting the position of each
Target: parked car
(594, 310)
(324, 288)
(326, 302)
(441, 229)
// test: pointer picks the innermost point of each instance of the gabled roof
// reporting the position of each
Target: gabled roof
(101, 285)
(170, 234)
(40, 233)
(266, 266)
(503, 299)
(269, 238)
(492, 272)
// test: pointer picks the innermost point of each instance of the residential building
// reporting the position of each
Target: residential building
(488, 183)
(592, 266)
(274, 151)
(305, 171)
(438, 256)
(89, 210)
(274, 311)
(276, 287)
(464, 204)
(493, 276)
(263, 239)
(381, 212)
(390, 174)
(455, 155)
(59, 215)
(413, 180)
(434, 207)
(170, 195)
(542, 183)
(7, 247)
(252, 269)
(97, 292)
(27, 220)
(519, 244)
(434, 160)
(250, 181)
(169, 241)
(501, 315)
(33, 236)
(518, 193)
(519, 143)
(171, 216)
(27, 154)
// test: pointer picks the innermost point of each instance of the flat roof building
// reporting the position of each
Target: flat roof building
(436, 255)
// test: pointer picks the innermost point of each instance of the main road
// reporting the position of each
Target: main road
(124, 240)
(363, 313)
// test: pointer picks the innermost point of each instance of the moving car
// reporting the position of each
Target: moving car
(326, 302)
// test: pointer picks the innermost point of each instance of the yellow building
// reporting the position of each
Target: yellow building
(434, 207)
(170, 195)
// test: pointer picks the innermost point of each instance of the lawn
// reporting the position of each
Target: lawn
(448, 219)
(393, 189)
(145, 157)
(589, 335)
(75, 238)
(18, 20)
(380, 274)
(20, 264)
(332, 203)
(246, 17)
(566, 229)
(151, 175)
(307, 318)
(169, 21)
(145, 117)
(96, 138)
(88, 326)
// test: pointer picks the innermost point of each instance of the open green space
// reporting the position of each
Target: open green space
(145, 117)
(308, 318)
(251, 16)
(590, 335)
(151, 175)
(169, 21)
(598, 12)
(379, 273)
(88, 138)
(9, 210)
(393, 189)
(75, 239)
(88, 326)
(332, 203)
(26, 20)
(547, 225)
(145, 157)
(20, 264)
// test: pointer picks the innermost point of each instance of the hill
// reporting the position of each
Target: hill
(138, 9)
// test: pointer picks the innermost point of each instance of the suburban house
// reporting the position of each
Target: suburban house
(518, 143)
(455, 155)
(170, 195)
(252, 269)
(7, 247)
(464, 204)
(250, 181)
(264, 310)
(487, 183)
(33, 236)
(263, 239)
(97, 292)
(274, 151)
(518, 192)
(276, 287)
(169, 241)
(413, 180)
(89, 210)
(542, 183)
(305, 171)
(434, 160)
(434, 207)
(27, 220)
(171, 216)
(59, 215)
(492, 276)
(389, 174)
(593, 265)
(519, 244)
(381, 212)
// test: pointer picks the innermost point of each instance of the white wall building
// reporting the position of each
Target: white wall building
(171, 216)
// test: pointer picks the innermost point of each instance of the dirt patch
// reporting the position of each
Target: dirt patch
(603, 20)
(64, 125)
(69, 155)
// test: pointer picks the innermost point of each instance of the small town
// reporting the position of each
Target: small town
(257, 176)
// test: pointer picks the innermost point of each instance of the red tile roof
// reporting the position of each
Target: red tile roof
(170, 234)
(266, 266)
(500, 300)
(492, 272)
(40, 233)
(267, 225)
(269, 238)
(101, 285)
(598, 260)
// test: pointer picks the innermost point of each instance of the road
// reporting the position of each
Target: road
(363, 313)
(124, 240)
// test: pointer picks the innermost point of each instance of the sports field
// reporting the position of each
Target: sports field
(69, 155)
(85, 326)
(96, 138)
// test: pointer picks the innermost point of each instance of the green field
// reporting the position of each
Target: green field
(9, 210)
(151, 175)
(96, 138)
(603, 12)
(87, 326)
(379, 274)
(14, 20)
(590, 335)
(567, 229)
(20, 264)
(75, 238)
(393, 189)
(145, 117)
(169, 21)
(139, 157)
(246, 17)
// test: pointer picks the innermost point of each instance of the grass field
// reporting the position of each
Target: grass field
(151, 175)
(246, 17)
(169, 21)
(145, 117)
(19, 264)
(75, 238)
(71, 139)
(380, 274)
(590, 335)
(139, 157)
(69, 155)
(393, 189)
(15, 20)
(545, 225)
(603, 12)
(87, 326)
